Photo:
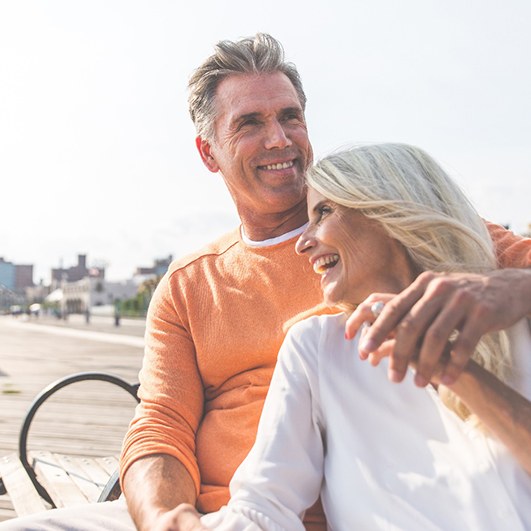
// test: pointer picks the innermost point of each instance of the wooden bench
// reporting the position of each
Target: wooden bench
(39, 480)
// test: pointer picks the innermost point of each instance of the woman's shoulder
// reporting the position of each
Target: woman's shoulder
(308, 339)
(319, 324)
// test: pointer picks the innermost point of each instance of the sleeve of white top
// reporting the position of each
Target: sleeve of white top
(243, 519)
(281, 476)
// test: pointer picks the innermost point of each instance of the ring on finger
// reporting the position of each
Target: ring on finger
(376, 308)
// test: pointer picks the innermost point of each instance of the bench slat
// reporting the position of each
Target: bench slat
(22, 492)
(78, 474)
(62, 490)
(109, 464)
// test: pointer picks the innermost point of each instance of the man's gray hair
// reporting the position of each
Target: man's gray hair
(261, 54)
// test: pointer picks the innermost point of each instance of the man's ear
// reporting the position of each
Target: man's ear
(205, 150)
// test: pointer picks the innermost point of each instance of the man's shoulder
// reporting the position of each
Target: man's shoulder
(214, 249)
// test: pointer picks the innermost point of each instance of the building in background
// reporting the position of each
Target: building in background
(7, 274)
(15, 277)
(75, 273)
(14, 280)
(84, 290)
(159, 267)
(83, 295)
(79, 288)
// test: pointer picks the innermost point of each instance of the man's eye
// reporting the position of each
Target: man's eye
(291, 116)
(249, 122)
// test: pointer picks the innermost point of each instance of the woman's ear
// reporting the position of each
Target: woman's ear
(205, 150)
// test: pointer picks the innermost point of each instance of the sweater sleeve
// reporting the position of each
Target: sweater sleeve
(511, 250)
(282, 474)
(171, 390)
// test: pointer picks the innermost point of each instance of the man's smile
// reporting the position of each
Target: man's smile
(278, 165)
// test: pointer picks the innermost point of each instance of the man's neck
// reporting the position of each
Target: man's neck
(260, 228)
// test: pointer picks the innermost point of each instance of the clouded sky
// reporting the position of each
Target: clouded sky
(97, 151)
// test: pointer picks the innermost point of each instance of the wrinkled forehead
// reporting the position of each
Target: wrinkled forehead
(314, 198)
(241, 94)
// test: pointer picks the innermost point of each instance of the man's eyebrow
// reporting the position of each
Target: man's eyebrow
(256, 115)
(288, 110)
(247, 116)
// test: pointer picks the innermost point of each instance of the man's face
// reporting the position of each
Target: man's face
(261, 144)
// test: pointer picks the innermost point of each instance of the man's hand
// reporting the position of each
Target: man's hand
(418, 323)
(183, 518)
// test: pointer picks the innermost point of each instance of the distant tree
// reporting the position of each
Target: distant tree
(137, 306)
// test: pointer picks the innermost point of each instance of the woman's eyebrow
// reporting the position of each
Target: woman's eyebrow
(318, 205)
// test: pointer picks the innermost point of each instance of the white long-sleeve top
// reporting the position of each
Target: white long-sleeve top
(381, 455)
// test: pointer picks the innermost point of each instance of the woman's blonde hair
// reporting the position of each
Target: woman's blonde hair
(418, 204)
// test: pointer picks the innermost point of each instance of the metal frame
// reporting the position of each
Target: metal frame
(111, 490)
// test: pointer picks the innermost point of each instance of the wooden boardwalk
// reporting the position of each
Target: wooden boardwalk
(89, 418)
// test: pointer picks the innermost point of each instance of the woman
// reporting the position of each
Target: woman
(386, 456)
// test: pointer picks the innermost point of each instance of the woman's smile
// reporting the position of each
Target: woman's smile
(353, 254)
(323, 263)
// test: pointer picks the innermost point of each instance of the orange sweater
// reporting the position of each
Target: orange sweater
(214, 328)
(511, 250)
(213, 332)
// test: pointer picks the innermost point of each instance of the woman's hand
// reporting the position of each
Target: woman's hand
(362, 318)
(423, 319)
(374, 346)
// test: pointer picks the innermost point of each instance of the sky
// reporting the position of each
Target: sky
(97, 150)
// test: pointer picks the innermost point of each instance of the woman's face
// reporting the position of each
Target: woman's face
(353, 254)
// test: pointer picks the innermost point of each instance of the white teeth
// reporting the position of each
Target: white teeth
(279, 166)
(325, 262)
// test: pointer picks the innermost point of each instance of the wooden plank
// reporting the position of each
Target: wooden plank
(109, 464)
(95, 472)
(24, 496)
(74, 467)
(7, 511)
(56, 481)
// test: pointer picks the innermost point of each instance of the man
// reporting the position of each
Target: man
(217, 318)
(234, 297)
(216, 321)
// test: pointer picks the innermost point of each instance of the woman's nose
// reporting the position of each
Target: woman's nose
(304, 243)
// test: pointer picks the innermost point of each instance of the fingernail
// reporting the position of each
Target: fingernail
(395, 376)
(347, 336)
(368, 345)
(446, 379)
(421, 381)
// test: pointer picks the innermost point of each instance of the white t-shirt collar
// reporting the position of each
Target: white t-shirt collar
(272, 241)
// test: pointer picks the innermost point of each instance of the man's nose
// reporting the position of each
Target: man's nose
(276, 136)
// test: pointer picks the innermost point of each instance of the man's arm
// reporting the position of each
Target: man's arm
(161, 495)
(424, 316)
(511, 250)
(506, 413)
(158, 459)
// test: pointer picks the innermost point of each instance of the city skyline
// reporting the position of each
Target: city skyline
(97, 151)
(76, 269)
